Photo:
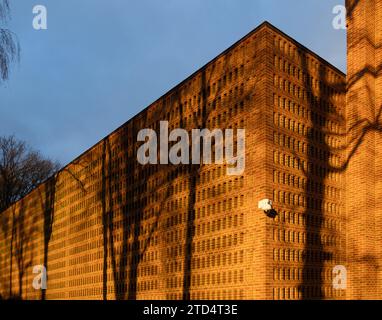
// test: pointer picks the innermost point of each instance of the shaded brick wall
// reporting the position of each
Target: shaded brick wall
(305, 123)
(363, 173)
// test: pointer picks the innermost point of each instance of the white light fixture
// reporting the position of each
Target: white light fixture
(265, 205)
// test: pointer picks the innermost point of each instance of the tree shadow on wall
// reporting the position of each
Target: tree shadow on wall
(137, 234)
(351, 140)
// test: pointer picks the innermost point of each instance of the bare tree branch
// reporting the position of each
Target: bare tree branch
(21, 170)
(4, 9)
(9, 44)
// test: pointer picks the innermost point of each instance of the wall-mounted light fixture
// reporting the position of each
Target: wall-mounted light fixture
(266, 206)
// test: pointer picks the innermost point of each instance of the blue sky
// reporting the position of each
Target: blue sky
(102, 61)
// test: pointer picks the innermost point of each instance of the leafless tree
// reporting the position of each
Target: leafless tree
(21, 170)
(9, 46)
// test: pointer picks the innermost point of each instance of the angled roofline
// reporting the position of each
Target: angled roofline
(205, 66)
(324, 61)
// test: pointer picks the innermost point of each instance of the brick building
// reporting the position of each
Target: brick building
(107, 227)
(362, 165)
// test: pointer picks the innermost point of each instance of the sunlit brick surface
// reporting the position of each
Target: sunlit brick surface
(108, 227)
(364, 169)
